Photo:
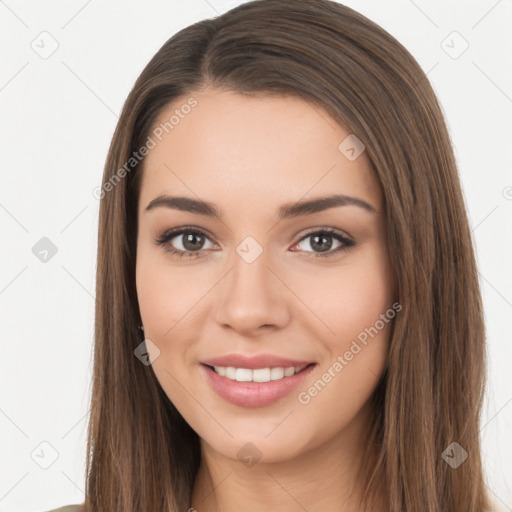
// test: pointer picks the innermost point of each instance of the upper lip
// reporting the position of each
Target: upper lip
(253, 362)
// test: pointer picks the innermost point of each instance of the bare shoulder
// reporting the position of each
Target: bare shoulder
(68, 508)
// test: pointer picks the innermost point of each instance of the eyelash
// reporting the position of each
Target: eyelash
(169, 235)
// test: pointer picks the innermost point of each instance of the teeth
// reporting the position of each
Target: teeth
(243, 375)
(277, 373)
(257, 375)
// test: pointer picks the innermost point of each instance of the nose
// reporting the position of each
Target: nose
(252, 297)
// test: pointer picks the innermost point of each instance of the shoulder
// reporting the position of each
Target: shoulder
(68, 508)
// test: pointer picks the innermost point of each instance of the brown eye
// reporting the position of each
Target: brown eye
(322, 242)
(183, 241)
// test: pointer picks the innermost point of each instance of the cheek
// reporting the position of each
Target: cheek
(170, 306)
(153, 294)
(165, 295)
(363, 298)
(356, 352)
(352, 299)
(357, 308)
(162, 303)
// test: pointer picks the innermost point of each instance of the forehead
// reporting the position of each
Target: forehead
(258, 149)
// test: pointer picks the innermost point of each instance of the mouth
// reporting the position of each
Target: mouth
(257, 374)
(255, 387)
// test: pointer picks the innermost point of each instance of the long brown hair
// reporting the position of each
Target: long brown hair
(142, 455)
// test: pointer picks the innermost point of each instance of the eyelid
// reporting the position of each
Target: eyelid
(346, 240)
(331, 231)
(169, 234)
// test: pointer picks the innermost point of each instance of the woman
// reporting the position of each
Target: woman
(288, 310)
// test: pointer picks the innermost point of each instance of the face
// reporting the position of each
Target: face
(292, 306)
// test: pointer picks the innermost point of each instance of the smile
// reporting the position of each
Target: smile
(256, 387)
(257, 375)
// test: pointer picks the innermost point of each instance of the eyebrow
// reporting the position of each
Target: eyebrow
(286, 211)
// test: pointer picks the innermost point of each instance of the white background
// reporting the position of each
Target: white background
(57, 116)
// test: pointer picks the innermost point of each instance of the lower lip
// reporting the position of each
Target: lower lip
(254, 394)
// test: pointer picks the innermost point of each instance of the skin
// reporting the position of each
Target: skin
(249, 156)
